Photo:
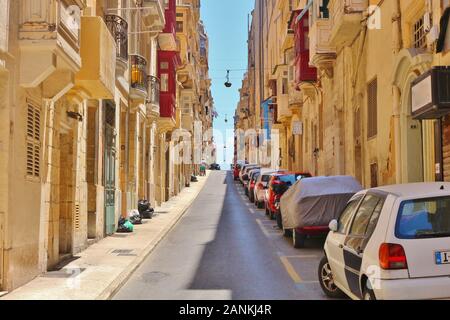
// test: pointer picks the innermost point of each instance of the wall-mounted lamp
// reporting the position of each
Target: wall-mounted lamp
(75, 115)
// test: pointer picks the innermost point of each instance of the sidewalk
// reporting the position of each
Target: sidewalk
(101, 269)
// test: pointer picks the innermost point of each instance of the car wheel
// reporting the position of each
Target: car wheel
(267, 211)
(368, 294)
(280, 221)
(326, 280)
(252, 198)
(298, 239)
(271, 215)
(287, 233)
(260, 205)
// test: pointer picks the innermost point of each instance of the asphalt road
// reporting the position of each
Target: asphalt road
(224, 248)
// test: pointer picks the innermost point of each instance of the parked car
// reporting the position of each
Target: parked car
(309, 206)
(244, 170)
(262, 184)
(214, 166)
(278, 185)
(247, 176)
(390, 243)
(251, 185)
(237, 169)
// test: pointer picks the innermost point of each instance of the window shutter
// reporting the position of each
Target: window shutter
(33, 141)
(372, 109)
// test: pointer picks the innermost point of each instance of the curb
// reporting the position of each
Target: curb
(118, 283)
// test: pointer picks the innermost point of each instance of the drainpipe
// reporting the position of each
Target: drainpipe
(396, 92)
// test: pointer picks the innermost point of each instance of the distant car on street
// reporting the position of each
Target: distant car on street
(243, 175)
(262, 184)
(253, 176)
(214, 166)
(390, 243)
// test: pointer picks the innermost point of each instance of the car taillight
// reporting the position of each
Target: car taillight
(392, 257)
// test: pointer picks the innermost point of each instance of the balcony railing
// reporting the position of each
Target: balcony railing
(153, 90)
(138, 72)
(119, 29)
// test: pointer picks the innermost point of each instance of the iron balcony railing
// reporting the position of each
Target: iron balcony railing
(138, 72)
(153, 90)
(119, 30)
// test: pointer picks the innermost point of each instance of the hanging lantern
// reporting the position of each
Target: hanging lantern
(228, 84)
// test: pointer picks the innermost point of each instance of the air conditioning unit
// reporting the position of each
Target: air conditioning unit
(431, 94)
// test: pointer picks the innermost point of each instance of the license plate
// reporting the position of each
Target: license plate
(443, 257)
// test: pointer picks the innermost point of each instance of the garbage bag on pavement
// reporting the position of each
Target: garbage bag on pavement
(314, 202)
(145, 211)
(135, 217)
(125, 226)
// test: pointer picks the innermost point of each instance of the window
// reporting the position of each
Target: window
(164, 65)
(179, 27)
(372, 109)
(364, 223)
(424, 218)
(33, 141)
(346, 216)
(164, 82)
(363, 216)
(419, 34)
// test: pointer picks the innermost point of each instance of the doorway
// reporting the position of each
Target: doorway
(66, 193)
(110, 168)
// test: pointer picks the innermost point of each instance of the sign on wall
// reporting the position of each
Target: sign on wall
(297, 128)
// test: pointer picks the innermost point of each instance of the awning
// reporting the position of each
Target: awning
(305, 10)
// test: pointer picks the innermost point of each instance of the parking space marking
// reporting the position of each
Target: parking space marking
(263, 229)
(290, 270)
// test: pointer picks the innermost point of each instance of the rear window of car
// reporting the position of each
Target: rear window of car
(266, 178)
(424, 218)
(292, 178)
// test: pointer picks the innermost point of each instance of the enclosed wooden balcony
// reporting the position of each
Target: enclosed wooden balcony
(153, 14)
(346, 16)
(138, 78)
(98, 47)
(322, 51)
(167, 38)
(49, 39)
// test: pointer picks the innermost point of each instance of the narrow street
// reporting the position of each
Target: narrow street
(224, 248)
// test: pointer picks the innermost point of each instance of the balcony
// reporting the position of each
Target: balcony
(346, 16)
(119, 30)
(152, 101)
(167, 39)
(322, 52)
(153, 14)
(97, 75)
(49, 39)
(295, 99)
(138, 78)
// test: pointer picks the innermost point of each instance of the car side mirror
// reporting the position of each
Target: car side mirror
(334, 225)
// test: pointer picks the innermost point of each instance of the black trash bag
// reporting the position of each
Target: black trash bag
(145, 211)
(143, 205)
(124, 226)
(148, 214)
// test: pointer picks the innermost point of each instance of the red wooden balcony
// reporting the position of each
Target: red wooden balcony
(167, 65)
(303, 70)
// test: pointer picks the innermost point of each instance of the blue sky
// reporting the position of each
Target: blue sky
(226, 25)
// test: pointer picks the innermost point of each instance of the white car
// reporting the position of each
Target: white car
(390, 243)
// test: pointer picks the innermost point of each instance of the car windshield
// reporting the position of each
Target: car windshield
(424, 218)
(291, 179)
